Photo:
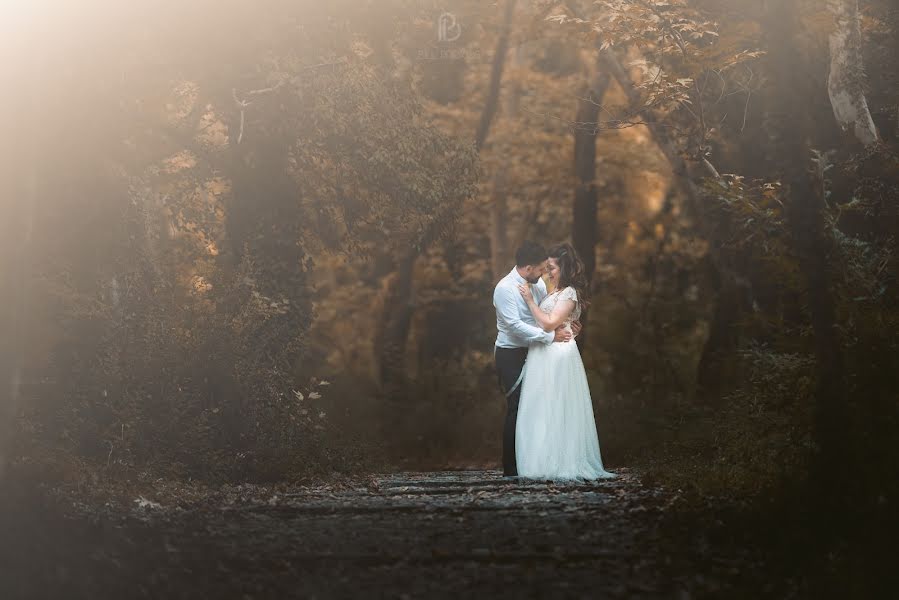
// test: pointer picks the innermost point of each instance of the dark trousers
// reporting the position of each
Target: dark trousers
(509, 363)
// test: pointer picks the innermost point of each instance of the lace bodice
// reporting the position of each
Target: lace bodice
(569, 293)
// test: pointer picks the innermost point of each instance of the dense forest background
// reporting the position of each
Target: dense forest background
(257, 241)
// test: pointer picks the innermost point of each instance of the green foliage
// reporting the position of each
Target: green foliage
(764, 434)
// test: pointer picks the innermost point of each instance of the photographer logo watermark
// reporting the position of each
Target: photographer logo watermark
(448, 28)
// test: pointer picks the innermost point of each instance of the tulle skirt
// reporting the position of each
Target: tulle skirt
(555, 436)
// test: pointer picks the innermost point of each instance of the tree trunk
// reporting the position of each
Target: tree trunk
(813, 245)
(499, 225)
(583, 219)
(716, 365)
(583, 225)
(499, 203)
(391, 339)
(496, 77)
(845, 83)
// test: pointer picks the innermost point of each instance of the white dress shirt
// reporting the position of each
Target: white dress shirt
(515, 325)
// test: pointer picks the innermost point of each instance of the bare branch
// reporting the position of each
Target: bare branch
(243, 104)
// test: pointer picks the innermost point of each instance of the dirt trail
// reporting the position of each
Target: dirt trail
(415, 535)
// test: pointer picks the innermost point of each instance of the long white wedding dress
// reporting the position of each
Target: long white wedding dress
(555, 436)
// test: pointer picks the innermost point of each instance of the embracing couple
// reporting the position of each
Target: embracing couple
(549, 429)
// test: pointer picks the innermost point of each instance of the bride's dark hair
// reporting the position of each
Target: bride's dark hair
(571, 271)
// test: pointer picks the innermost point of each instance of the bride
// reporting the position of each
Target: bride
(556, 433)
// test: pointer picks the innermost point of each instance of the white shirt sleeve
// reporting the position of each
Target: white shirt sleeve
(506, 301)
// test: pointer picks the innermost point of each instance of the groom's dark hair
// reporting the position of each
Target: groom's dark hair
(529, 253)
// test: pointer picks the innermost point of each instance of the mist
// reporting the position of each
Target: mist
(249, 254)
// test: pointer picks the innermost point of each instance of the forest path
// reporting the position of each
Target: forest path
(416, 535)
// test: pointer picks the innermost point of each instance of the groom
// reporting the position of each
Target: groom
(516, 328)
